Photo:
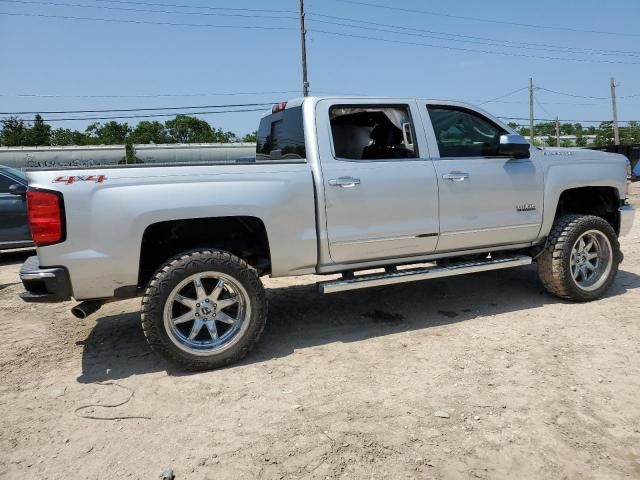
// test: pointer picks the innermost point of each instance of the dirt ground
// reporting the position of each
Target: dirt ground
(483, 376)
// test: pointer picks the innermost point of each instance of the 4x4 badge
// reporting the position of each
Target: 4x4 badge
(80, 178)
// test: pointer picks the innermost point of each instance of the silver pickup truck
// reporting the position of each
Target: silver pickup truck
(379, 190)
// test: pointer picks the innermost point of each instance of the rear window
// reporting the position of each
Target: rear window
(281, 136)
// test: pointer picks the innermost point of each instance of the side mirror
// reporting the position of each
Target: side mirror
(18, 189)
(512, 145)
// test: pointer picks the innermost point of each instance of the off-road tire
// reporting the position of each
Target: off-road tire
(176, 270)
(554, 268)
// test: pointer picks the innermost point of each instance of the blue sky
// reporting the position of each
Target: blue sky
(70, 58)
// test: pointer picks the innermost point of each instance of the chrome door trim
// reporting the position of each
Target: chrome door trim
(508, 227)
(385, 239)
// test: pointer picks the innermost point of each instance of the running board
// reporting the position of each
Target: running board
(422, 273)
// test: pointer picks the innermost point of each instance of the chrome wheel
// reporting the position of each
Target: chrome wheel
(207, 313)
(591, 260)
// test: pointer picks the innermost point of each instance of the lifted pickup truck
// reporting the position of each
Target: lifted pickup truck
(412, 189)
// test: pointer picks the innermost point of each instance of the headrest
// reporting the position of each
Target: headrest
(386, 134)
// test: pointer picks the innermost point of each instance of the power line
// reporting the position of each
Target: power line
(471, 38)
(541, 107)
(487, 20)
(461, 49)
(141, 109)
(586, 96)
(564, 120)
(202, 7)
(146, 22)
(514, 102)
(153, 95)
(143, 10)
(505, 43)
(503, 96)
(120, 117)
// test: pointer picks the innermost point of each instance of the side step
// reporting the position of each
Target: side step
(422, 273)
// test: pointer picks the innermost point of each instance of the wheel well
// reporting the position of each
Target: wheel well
(245, 237)
(599, 201)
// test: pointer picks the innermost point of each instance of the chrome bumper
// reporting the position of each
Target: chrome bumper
(44, 285)
(627, 212)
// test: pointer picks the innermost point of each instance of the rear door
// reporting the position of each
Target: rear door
(14, 226)
(381, 192)
(485, 199)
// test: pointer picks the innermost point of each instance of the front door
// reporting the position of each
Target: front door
(381, 193)
(485, 199)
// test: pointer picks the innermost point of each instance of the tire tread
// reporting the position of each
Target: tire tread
(180, 266)
(552, 261)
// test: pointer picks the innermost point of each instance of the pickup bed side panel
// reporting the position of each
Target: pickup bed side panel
(589, 169)
(106, 221)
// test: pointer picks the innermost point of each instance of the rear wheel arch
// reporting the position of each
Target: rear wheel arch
(243, 236)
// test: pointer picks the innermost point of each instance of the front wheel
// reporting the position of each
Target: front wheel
(204, 309)
(581, 260)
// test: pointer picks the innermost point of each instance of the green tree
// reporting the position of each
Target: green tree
(13, 132)
(604, 134)
(546, 128)
(224, 137)
(567, 129)
(38, 134)
(150, 132)
(188, 129)
(65, 136)
(581, 141)
(253, 137)
(630, 134)
(111, 133)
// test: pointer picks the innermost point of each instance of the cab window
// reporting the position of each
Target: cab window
(372, 132)
(281, 136)
(464, 133)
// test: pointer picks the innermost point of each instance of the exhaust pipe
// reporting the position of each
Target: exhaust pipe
(84, 309)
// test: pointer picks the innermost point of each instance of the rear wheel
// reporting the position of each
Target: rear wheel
(582, 257)
(204, 309)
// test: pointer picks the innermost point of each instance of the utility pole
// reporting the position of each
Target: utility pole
(303, 42)
(557, 132)
(614, 105)
(531, 129)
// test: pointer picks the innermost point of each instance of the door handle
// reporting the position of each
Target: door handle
(456, 176)
(344, 182)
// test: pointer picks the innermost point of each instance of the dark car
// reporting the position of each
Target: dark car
(14, 226)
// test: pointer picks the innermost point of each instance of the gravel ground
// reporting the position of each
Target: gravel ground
(483, 376)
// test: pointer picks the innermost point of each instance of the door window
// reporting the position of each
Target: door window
(372, 132)
(464, 133)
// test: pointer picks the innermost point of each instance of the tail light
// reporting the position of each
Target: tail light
(46, 217)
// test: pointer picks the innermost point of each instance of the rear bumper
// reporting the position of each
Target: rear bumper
(44, 285)
(627, 214)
